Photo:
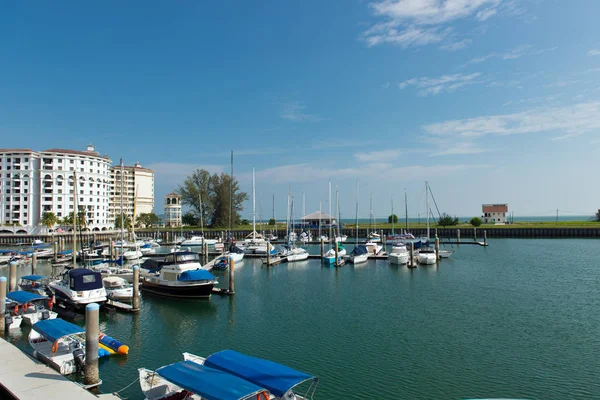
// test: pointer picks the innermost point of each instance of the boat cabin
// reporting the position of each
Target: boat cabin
(82, 279)
(181, 257)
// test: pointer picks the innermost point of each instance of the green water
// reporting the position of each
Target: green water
(517, 319)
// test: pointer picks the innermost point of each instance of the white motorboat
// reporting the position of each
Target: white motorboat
(37, 284)
(194, 381)
(12, 317)
(37, 242)
(118, 288)
(79, 287)
(374, 237)
(110, 270)
(294, 254)
(180, 275)
(359, 254)
(236, 254)
(373, 247)
(60, 345)
(198, 241)
(446, 253)
(283, 382)
(31, 305)
(305, 237)
(133, 254)
(399, 255)
(426, 257)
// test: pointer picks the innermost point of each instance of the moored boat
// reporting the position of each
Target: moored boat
(117, 288)
(359, 254)
(37, 284)
(399, 255)
(426, 257)
(31, 305)
(79, 287)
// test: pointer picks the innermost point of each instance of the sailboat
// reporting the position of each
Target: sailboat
(426, 256)
(373, 236)
(373, 241)
(443, 253)
(405, 236)
(254, 242)
(290, 251)
(199, 240)
(329, 257)
(360, 253)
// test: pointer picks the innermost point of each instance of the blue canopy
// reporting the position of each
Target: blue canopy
(85, 279)
(360, 249)
(34, 277)
(268, 374)
(26, 253)
(64, 253)
(196, 275)
(209, 383)
(54, 329)
(7, 251)
(23, 297)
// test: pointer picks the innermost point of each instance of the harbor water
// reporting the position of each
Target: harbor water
(516, 319)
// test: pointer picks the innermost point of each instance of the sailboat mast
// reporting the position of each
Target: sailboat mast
(75, 215)
(303, 204)
(406, 210)
(392, 214)
(320, 212)
(371, 218)
(253, 208)
(201, 217)
(122, 223)
(330, 220)
(231, 193)
(337, 210)
(427, 206)
(356, 222)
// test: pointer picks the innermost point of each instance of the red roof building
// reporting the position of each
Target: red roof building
(494, 213)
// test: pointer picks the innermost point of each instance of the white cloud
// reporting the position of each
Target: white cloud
(386, 85)
(293, 111)
(420, 22)
(535, 100)
(378, 156)
(579, 118)
(455, 46)
(444, 83)
(591, 70)
(518, 52)
(593, 52)
(458, 148)
(560, 84)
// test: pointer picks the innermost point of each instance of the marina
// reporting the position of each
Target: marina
(410, 321)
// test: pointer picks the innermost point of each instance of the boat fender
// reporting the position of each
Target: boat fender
(16, 310)
(264, 395)
(55, 346)
(25, 306)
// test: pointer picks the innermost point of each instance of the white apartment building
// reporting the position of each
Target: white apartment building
(138, 190)
(36, 182)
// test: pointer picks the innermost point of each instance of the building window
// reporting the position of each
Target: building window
(59, 206)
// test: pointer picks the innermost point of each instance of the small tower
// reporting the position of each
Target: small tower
(172, 210)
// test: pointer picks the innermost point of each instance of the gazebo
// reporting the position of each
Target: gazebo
(317, 218)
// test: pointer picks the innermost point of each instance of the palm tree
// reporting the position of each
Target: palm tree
(49, 219)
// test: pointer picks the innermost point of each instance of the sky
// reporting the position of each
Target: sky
(490, 101)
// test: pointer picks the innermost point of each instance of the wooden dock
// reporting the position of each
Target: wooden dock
(117, 305)
(24, 378)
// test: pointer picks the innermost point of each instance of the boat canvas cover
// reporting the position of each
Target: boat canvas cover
(360, 249)
(211, 384)
(268, 374)
(64, 253)
(34, 278)
(54, 329)
(85, 279)
(23, 297)
(196, 275)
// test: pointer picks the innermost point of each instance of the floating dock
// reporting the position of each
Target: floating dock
(25, 378)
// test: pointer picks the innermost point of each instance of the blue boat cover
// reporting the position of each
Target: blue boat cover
(360, 249)
(33, 277)
(196, 275)
(7, 251)
(85, 279)
(41, 246)
(268, 374)
(64, 253)
(23, 297)
(54, 329)
(211, 384)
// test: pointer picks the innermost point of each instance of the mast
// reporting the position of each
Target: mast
(253, 208)
(231, 193)
(303, 204)
(122, 216)
(371, 218)
(427, 207)
(337, 210)
(356, 222)
(288, 213)
(392, 214)
(406, 210)
(134, 210)
(330, 221)
(320, 212)
(201, 217)
(75, 215)
(273, 205)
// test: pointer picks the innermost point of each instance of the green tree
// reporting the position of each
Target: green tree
(447, 220)
(394, 218)
(189, 219)
(244, 222)
(126, 221)
(214, 190)
(598, 216)
(272, 222)
(475, 221)
(49, 219)
(81, 219)
(147, 220)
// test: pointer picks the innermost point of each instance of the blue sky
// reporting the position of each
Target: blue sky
(488, 100)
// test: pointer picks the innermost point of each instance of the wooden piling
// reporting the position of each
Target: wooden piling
(2, 302)
(458, 236)
(12, 283)
(92, 332)
(55, 248)
(231, 275)
(485, 237)
(336, 261)
(474, 234)
(322, 247)
(411, 259)
(33, 263)
(437, 249)
(111, 247)
(268, 254)
(136, 288)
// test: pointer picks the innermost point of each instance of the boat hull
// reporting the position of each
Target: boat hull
(196, 291)
(426, 259)
(362, 258)
(399, 259)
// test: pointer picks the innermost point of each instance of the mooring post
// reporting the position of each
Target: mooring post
(322, 247)
(92, 332)
(411, 260)
(2, 302)
(12, 283)
(136, 287)
(336, 263)
(231, 275)
(33, 263)
(437, 248)
(111, 247)
(458, 236)
(205, 251)
(55, 248)
(485, 237)
(268, 254)
(475, 234)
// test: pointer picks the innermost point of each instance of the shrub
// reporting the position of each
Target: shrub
(475, 221)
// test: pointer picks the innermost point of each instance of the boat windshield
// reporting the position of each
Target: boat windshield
(187, 257)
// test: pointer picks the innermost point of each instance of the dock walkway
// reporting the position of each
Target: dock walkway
(25, 378)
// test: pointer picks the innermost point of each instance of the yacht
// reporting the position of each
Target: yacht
(12, 317)
(426, 256)
(236, 253)
(374, 237)
(180, 275)
(305, 237)
(133, 254)
(360, 254)
(283, 382)
(150, 267)
(198, 241)
(293, 253)
(373, 247)
(194, 381)
(118, 288)
(79, 287)
(32, 307)
(399, 255)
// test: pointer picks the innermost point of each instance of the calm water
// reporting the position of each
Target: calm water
(517, 319)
